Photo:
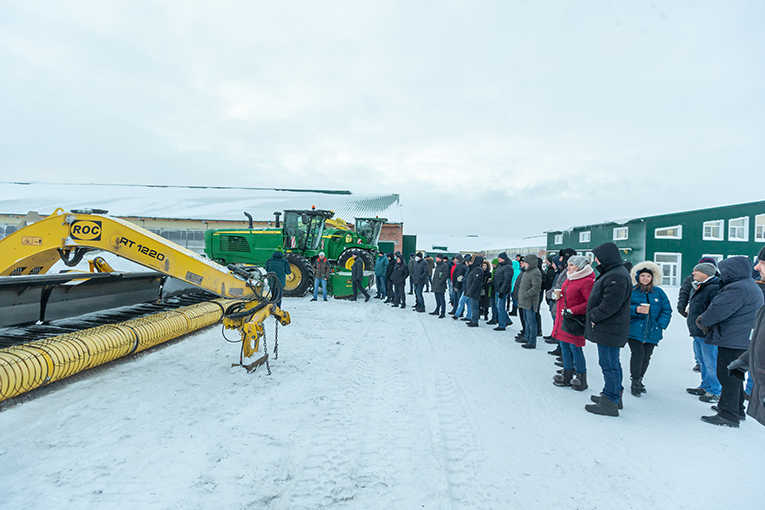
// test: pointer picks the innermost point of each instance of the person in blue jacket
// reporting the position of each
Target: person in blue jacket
(650, 312)
(381, 268)
(279, 265)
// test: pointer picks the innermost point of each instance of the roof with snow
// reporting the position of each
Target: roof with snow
(475, 243)
(191, 202)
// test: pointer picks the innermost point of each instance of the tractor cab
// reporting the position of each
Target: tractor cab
(303, 229)
(370, 228)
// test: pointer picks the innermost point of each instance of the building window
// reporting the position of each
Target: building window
(717, 258)
(558, 238)
(621, 233)
(670, 264)
(675, 232)
(759, 228)
(584, 237)
(713, 230)
(738, 229)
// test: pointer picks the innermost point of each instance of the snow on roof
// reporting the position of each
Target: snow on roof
(471, 243)
(191, 202)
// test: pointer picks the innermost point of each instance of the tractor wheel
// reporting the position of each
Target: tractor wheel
(301, 278)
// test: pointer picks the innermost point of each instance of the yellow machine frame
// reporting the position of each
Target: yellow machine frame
(68, 236)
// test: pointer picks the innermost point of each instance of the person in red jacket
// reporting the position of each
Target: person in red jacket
(574, 295)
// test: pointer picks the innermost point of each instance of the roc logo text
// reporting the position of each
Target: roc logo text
(84, 230)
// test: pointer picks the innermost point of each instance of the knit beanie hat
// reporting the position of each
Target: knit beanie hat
(708, 260)
(579, 261)
(503, 256)
(706, 268)
(761, 255)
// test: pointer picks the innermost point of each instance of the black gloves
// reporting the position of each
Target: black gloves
(738, 369)
(703, 329)
(683, 313)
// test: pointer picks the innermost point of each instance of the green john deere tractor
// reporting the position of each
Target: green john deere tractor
(302, 236)
(299, 238)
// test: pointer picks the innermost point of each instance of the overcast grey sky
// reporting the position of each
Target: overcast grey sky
(495, 118)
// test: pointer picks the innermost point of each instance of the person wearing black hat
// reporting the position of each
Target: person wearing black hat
(458, 277)
(398, 276)
(419, 278)
(440, 277)
(503, 283)
(410, 266)
(706, 285)
(357, 276)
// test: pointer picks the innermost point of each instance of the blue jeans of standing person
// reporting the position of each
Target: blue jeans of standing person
(463, 302)
(316, 283)
(573, 357)
(608, 359)
(419, 300)
(450, 290)
(429, 284)
(473, 314)
(501, 312)
(440, 303)
(399, 294)
(707, 356)
(380, 284)
(530, 321)
(456, 298)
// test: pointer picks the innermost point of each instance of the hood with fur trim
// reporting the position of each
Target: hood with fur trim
(655, 270)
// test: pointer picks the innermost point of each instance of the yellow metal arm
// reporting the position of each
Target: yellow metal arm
(35, 248)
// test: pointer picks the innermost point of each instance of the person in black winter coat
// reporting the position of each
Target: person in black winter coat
(398, 277)
(458, 280)
(440, 277)
(728, 324)
(608, 324)
(388, 272)
(473, 287)
(279, 265)
(419, 279)
(503, 284)
(704, 288)
(683, 297)
(357, 277)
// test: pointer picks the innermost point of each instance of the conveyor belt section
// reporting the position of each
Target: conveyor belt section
(13, 336)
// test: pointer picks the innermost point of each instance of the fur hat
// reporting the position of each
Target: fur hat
(706, 267)
(647, 266)
(579, 261)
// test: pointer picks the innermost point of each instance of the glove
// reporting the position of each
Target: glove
(738, 369)
(703, 329)
(459, 278)
(683, 313)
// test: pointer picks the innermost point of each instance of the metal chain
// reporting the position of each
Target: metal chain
(265, 352)
(276, 341)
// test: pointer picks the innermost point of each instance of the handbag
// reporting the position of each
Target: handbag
(572, 324)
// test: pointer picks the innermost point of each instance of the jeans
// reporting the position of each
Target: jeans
(419, 300)
(456, 298)
(731, 404)
(399, 294)
(411, 284)
(530, 321)
(608, 359)
(501, 312)
(380, 284)
(357, 286)
(494, 311)
(640, 357)
(429, 284)
(707, 356)
(440, 303)
(473, 312)
(573, 357)
(463, 302)
(450, 290)
(316, 283)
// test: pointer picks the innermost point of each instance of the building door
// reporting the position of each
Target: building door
(670, 264)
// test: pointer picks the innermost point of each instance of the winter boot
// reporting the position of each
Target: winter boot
(564, 379)
(635, 388)
(596, 399)
(491, 322)
(513, 312)
(579, 383)
(604, 407)
(558, 363)
(555, 352)
(642, 386)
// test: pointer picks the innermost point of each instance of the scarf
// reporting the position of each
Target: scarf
(578, 275)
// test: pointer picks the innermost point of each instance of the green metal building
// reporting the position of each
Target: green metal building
(674, 241)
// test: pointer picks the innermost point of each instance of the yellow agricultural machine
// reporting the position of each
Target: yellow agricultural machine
(28, 294)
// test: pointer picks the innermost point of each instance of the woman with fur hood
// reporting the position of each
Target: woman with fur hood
(650, 312)
(575, 292)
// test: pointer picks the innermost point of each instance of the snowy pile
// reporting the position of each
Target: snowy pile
(373, 407)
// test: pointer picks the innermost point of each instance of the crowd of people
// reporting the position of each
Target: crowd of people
(621, 305)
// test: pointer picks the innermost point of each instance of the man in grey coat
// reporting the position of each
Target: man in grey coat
(528, 299)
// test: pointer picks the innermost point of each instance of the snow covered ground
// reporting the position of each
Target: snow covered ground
(373, 407)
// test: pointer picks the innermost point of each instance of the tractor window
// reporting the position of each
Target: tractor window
(369, 230)
(315, 231)
(291, 221)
